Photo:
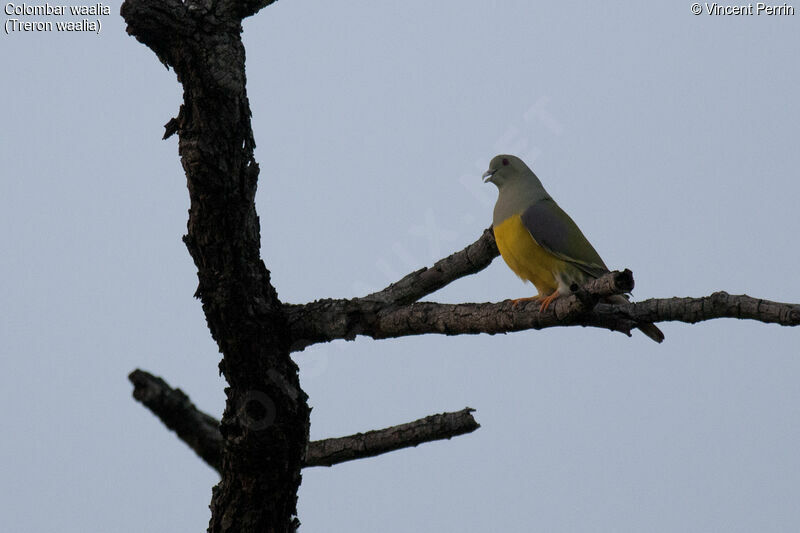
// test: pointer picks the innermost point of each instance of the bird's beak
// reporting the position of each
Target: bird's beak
(487, 176)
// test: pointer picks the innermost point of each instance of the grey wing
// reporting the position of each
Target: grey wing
(556, 232)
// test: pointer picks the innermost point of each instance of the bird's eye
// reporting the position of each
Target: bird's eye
(505, 162)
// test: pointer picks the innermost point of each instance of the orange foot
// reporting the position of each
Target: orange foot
(515, 303)
(547, 301)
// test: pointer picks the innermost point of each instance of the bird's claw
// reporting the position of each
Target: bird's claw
(545, 301)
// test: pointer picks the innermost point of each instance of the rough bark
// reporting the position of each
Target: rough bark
(201, 431)
(174, 408)
(265, 423)
(329, 452)
(396, 312)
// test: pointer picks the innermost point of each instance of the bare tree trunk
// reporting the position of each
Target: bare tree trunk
(266, 418)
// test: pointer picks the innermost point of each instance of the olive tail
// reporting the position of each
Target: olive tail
(651, 331)
(648, 328)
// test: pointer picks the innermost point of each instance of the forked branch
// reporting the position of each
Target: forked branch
(201, 431)
(395, 311)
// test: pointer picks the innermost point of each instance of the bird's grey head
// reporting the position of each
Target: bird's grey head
(518, 185)
(507, 169)
(510, 173)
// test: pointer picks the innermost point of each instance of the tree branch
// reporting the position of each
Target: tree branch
(717, 305)
(394, 312)
(416, 285)
(197, 429)
(201, 431)
(457, 319)
(326, 320)
(329, 452)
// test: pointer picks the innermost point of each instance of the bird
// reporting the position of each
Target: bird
(539, 242)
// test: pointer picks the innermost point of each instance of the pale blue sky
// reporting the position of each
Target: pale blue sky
(671, 139)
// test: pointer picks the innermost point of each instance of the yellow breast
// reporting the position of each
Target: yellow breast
(525, 257)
